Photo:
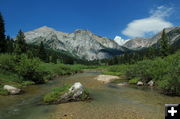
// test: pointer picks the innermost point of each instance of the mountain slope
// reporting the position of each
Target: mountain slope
(81, 43)
(139, 43)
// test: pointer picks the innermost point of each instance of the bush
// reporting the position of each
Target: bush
(170, 81)
(141, 69)
(29, 69)
(7, 62)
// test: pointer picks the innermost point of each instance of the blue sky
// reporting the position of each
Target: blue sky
(109, 18)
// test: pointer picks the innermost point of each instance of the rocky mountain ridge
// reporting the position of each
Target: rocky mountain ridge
(139, 43)
(81, 43)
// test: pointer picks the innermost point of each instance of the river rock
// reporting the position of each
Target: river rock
(12, 90)
(140, 83)
(77, 92)
(151, 83)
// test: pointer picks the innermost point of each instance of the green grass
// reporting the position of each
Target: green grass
(134, 80)
(113, 73)
(9, 78)
(117, 70)
(55, 94)
(2, 91)
(121, 80)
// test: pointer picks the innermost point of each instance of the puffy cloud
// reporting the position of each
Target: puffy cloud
(120, 41)
(151, 25)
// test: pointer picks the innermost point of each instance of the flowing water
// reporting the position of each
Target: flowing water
(109, 102)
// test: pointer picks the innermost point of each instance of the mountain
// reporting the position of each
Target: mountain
(80, 43)
(120, 41)
(139, 43)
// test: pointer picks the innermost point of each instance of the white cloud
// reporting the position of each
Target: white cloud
(120, 41)
(151, 25)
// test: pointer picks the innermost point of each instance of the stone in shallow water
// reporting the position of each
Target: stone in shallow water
(77, 92)
(12, 90)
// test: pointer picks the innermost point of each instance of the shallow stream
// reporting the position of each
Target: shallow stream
(109, 102)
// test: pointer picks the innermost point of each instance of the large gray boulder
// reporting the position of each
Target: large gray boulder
(77, 92)
(12, 90)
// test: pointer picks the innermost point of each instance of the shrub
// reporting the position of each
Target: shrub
(7, 61)
(141, 69)
(6, 76)
(170, 81)
(29, 69)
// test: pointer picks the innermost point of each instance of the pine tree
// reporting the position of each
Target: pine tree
(164, 45)
(42, 53)
(10, 44)
(20, 46)
(54, 58)
(2, 35)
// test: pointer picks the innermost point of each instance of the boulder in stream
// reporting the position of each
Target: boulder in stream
(76, 92)
(12, 90)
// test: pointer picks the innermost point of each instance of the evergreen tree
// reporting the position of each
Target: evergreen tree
(30, 54)
(20, 43)
(2, 35)
(10, 44)
(54, 58)
(164, 45)
(42, 53)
